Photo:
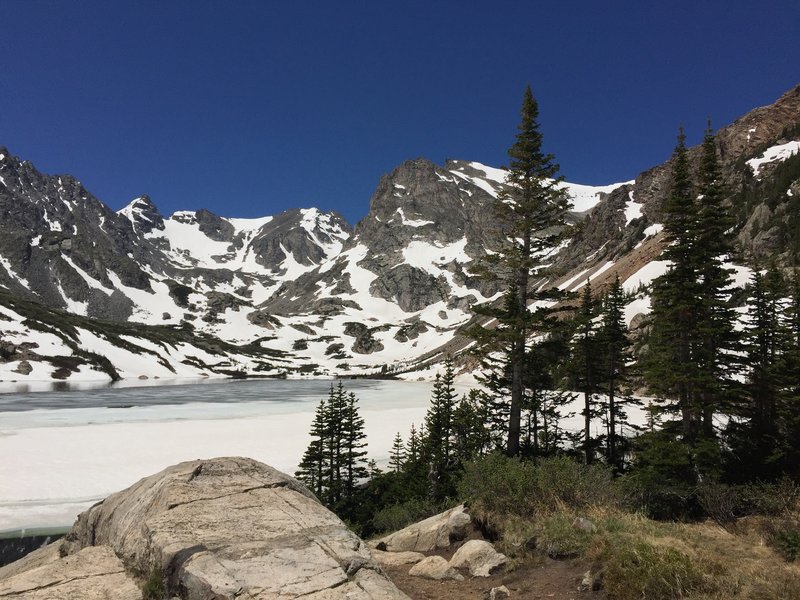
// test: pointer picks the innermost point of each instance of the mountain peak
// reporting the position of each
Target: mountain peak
(143, 215)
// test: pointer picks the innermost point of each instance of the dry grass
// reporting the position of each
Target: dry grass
(703, 560)
(657, 560)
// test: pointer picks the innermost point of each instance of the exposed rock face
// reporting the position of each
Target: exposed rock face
(223, 528)
(438, 531)
(282, 236)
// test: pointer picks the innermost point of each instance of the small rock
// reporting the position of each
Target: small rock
(479, 557)
(393, 559)
(499, 593)
(592, 579)
(585, 525)
(435, 567)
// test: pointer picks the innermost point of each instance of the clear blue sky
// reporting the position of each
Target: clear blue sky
(249, 108)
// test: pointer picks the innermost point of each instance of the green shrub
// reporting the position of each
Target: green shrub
(397, 516)
(509, 486)
(154, 588)
(652, 572)
(788, 544)
(499, 484)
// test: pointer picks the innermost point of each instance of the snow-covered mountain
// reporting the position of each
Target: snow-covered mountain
(133, 293)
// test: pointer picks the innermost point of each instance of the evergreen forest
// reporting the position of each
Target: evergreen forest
(715, 367)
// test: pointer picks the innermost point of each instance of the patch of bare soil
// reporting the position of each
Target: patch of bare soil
(532, 579)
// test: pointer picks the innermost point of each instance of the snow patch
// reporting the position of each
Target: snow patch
(91, 281)
(653, 230)
(411, 222)
(633, 210)
(779, 153)
(4, 262)
(645, 275)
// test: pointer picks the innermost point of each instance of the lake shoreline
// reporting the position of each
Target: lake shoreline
(14, 544)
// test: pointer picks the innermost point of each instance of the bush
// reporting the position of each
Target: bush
(722, 503)
(154, 588)
(647, 571)
(508, 486)
(498, 484)
(397, 516)
(788, 544)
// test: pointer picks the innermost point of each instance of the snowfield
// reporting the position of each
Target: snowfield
(66, 459)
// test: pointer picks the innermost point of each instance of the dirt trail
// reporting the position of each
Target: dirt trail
(534, 579)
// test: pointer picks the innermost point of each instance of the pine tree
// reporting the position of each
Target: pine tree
(397, 454)
(471, 438)
(354, 443)
(335, 459)
(791, 408)
(545, 405)
(616, 353)
(413, 452)
(313, 466)
(716, 339)
(532, 212)
(671, 365)
(586, 366)
(439, 424)
(758, 440)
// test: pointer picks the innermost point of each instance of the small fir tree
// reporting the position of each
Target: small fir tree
(397, 454)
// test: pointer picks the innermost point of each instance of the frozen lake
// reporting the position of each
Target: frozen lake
(61, 451)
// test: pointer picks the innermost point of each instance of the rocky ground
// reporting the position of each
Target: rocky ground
(446, 556)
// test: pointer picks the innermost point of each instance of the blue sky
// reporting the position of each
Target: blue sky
(250, 108)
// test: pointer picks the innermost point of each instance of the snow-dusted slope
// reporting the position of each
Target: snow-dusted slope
(583, 197)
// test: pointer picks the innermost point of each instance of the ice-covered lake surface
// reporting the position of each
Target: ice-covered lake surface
(61, 451)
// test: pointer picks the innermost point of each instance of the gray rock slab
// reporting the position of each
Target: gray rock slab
(437, 568)
(93, 573)
(393, 559)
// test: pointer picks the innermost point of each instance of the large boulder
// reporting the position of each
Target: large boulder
(480, 557)
(231, 528)
(438, 531)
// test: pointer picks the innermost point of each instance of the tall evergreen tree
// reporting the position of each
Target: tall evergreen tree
(471, 436)
(616, 354)
(716, 338)
(354, 443)
(532, 212)
(335, 459)
(314, 462)
(439, 425)
(671, 365)
(758, 439)
(586, 366)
